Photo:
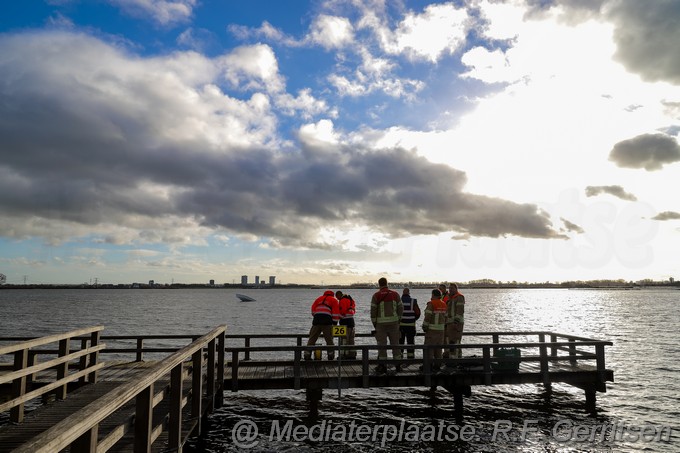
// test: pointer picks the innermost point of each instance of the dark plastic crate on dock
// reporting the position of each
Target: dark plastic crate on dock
(512, 365)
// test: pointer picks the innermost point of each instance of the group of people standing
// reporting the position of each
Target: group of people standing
(394, 319)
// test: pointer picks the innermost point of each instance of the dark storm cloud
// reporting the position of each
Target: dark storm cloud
(667, 215)
(646, 33)
(648, 151)
(617, 191)
(93, 135)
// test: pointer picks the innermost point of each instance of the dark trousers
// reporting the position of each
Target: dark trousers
(408, 336)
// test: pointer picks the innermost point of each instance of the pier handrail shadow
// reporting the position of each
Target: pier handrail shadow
(25, 367)
(181, 416)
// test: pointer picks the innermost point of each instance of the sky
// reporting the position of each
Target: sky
(334, 142)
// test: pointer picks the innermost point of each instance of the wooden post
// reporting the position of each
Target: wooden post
(314, 396)
(247, 354)
(599, 351)
(83, 361)
(545, 371)
(87, 442)
(210, 374)
(94, 357)
(486, 354)
(495, 339)
(364, 366)
(572, 351)
(553, 348)
(427, 365)
(175, 422)
(591, 400)
(458, 403)
(197, 389)
(144, 420)
(16, 413)
(234, 371)
(219, 392)
(62, 370)
(32, 360)
(140, 348)
(297, 359)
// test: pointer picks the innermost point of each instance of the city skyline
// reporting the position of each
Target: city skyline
(339, 141)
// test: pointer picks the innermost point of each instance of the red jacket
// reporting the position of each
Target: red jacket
(347, 307)
(326, 305)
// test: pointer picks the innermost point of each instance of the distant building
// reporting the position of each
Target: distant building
(151, 282)
(212, 282)
(244, 279)
(257, 280)
(272, 280)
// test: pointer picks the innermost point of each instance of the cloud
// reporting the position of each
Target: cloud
(195, 39)
(164, 12)
(439, 29)
(253, 67)
(617, 191)
(265, 31)
(645, 33)
(647, 38)
(648, 151)
(667, 215)
(331, 32)
(101, 143)
(572, 227)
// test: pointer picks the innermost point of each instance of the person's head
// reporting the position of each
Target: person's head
(436, 294)
(442, 288)
(453, 288)
(382, 282)
(338, 294)
(406, 292)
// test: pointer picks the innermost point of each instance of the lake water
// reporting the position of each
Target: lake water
(643, 326)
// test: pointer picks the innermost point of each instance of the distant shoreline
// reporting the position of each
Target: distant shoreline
(564, 285)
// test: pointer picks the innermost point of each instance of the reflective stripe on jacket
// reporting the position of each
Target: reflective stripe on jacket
(408, 317)
(455, 308)
(326, 305)
(386, 307)
(348, 307)
(435, 315)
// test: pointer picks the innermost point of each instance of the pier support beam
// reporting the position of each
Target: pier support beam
(591, 400)
(458, 391)
(313, 399)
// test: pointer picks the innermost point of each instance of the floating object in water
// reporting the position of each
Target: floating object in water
(245, 298)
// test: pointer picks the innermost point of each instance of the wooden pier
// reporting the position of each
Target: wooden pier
(142, 397)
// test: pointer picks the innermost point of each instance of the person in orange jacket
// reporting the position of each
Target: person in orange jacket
(433, 326)
(326, 313)
(455, 320)
(347, 312)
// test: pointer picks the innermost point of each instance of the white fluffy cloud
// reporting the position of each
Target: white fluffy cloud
(331, 32)
(438, 29)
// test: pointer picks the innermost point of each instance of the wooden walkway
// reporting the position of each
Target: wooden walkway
(132, 406)
(105, 414)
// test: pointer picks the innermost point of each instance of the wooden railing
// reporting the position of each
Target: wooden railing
(81, 430)
(24, 367)
(560, 348)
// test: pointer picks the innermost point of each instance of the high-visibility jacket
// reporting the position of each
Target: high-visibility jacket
(386, 307)
(347, 307)
(325, 309)
(455, 308)
(411, 311)
(435, 315)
